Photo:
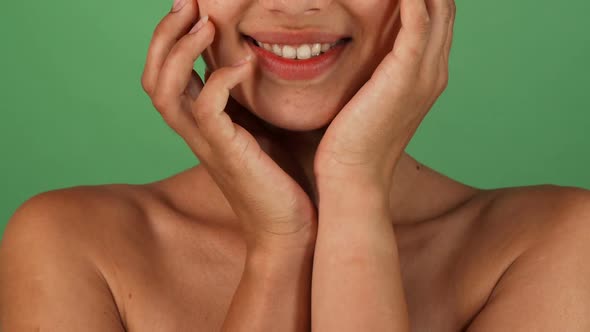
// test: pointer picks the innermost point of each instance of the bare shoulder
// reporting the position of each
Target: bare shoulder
(89, 218)
(526, 215)
(542, 235)
(542, 200)
(52, 252)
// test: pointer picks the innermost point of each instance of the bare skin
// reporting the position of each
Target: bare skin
(155, 259)
(229, 245)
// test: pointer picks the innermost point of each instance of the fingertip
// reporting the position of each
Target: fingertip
(202, 24)
(247, 59)
(230, 76)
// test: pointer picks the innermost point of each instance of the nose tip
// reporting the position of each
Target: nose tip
(295, 7)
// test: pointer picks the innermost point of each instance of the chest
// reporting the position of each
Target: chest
(174, 305)
(186, 287)
(198, 299)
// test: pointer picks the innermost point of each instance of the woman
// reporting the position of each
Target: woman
(307, 213)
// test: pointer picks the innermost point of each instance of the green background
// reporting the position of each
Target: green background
(516, 111)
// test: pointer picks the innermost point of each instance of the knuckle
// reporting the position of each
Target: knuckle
(445, 74)
(442, 83)
(423, 24)
(158, 30)
(447, 12)
(414, 53)
(170, 119)
(146, 84)
(217, 75)
(453, 7)
(200, 112)
(161, 102)
(446, 80)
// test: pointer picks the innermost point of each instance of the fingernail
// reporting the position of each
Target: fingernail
(178, 4)
(200, 24)
(243, 61)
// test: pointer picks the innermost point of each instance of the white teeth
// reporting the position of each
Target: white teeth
(301, 52)
(277, 50)
(289, 52)
(316, 49)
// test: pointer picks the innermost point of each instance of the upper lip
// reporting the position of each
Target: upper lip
(296, 37)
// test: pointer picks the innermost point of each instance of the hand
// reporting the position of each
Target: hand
(274, 210)
(366, 139)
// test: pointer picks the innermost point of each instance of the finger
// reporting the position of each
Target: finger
(443, 79)
(440, 13)
(449, 36)
(408, 50)
(177, 71)
(182, 122)
(209, 109)
(172, 27)
(194, 86)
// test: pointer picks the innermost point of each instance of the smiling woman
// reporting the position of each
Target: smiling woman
(364, 33)
(301, 127)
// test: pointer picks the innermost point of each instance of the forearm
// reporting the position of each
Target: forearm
(273, 294)
(357, 283)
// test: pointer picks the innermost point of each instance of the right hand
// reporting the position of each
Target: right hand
(274, 210)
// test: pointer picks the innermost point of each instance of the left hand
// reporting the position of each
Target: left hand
(367, 138)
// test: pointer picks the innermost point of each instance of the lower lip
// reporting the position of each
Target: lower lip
(292, 70)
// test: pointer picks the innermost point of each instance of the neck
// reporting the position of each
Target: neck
(418, 193)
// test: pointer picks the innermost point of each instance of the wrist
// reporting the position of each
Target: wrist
(355, 227)
(353, 199)
(279, 243)
(355, 218)
(375, 175)
(276, 264)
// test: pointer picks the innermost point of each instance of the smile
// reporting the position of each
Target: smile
(299, 52)
(294, 58)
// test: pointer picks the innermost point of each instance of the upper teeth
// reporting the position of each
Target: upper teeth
(301, 52)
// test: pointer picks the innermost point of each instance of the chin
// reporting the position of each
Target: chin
(294, 118)
(294, 109)
(293, 114)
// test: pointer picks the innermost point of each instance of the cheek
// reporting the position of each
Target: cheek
(225, 15)
(219, 9)
(379, 21)
(378, 34)
(368, 7)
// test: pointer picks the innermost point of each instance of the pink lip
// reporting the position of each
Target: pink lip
(289, 69)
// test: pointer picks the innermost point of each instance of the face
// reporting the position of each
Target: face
(305, 93)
